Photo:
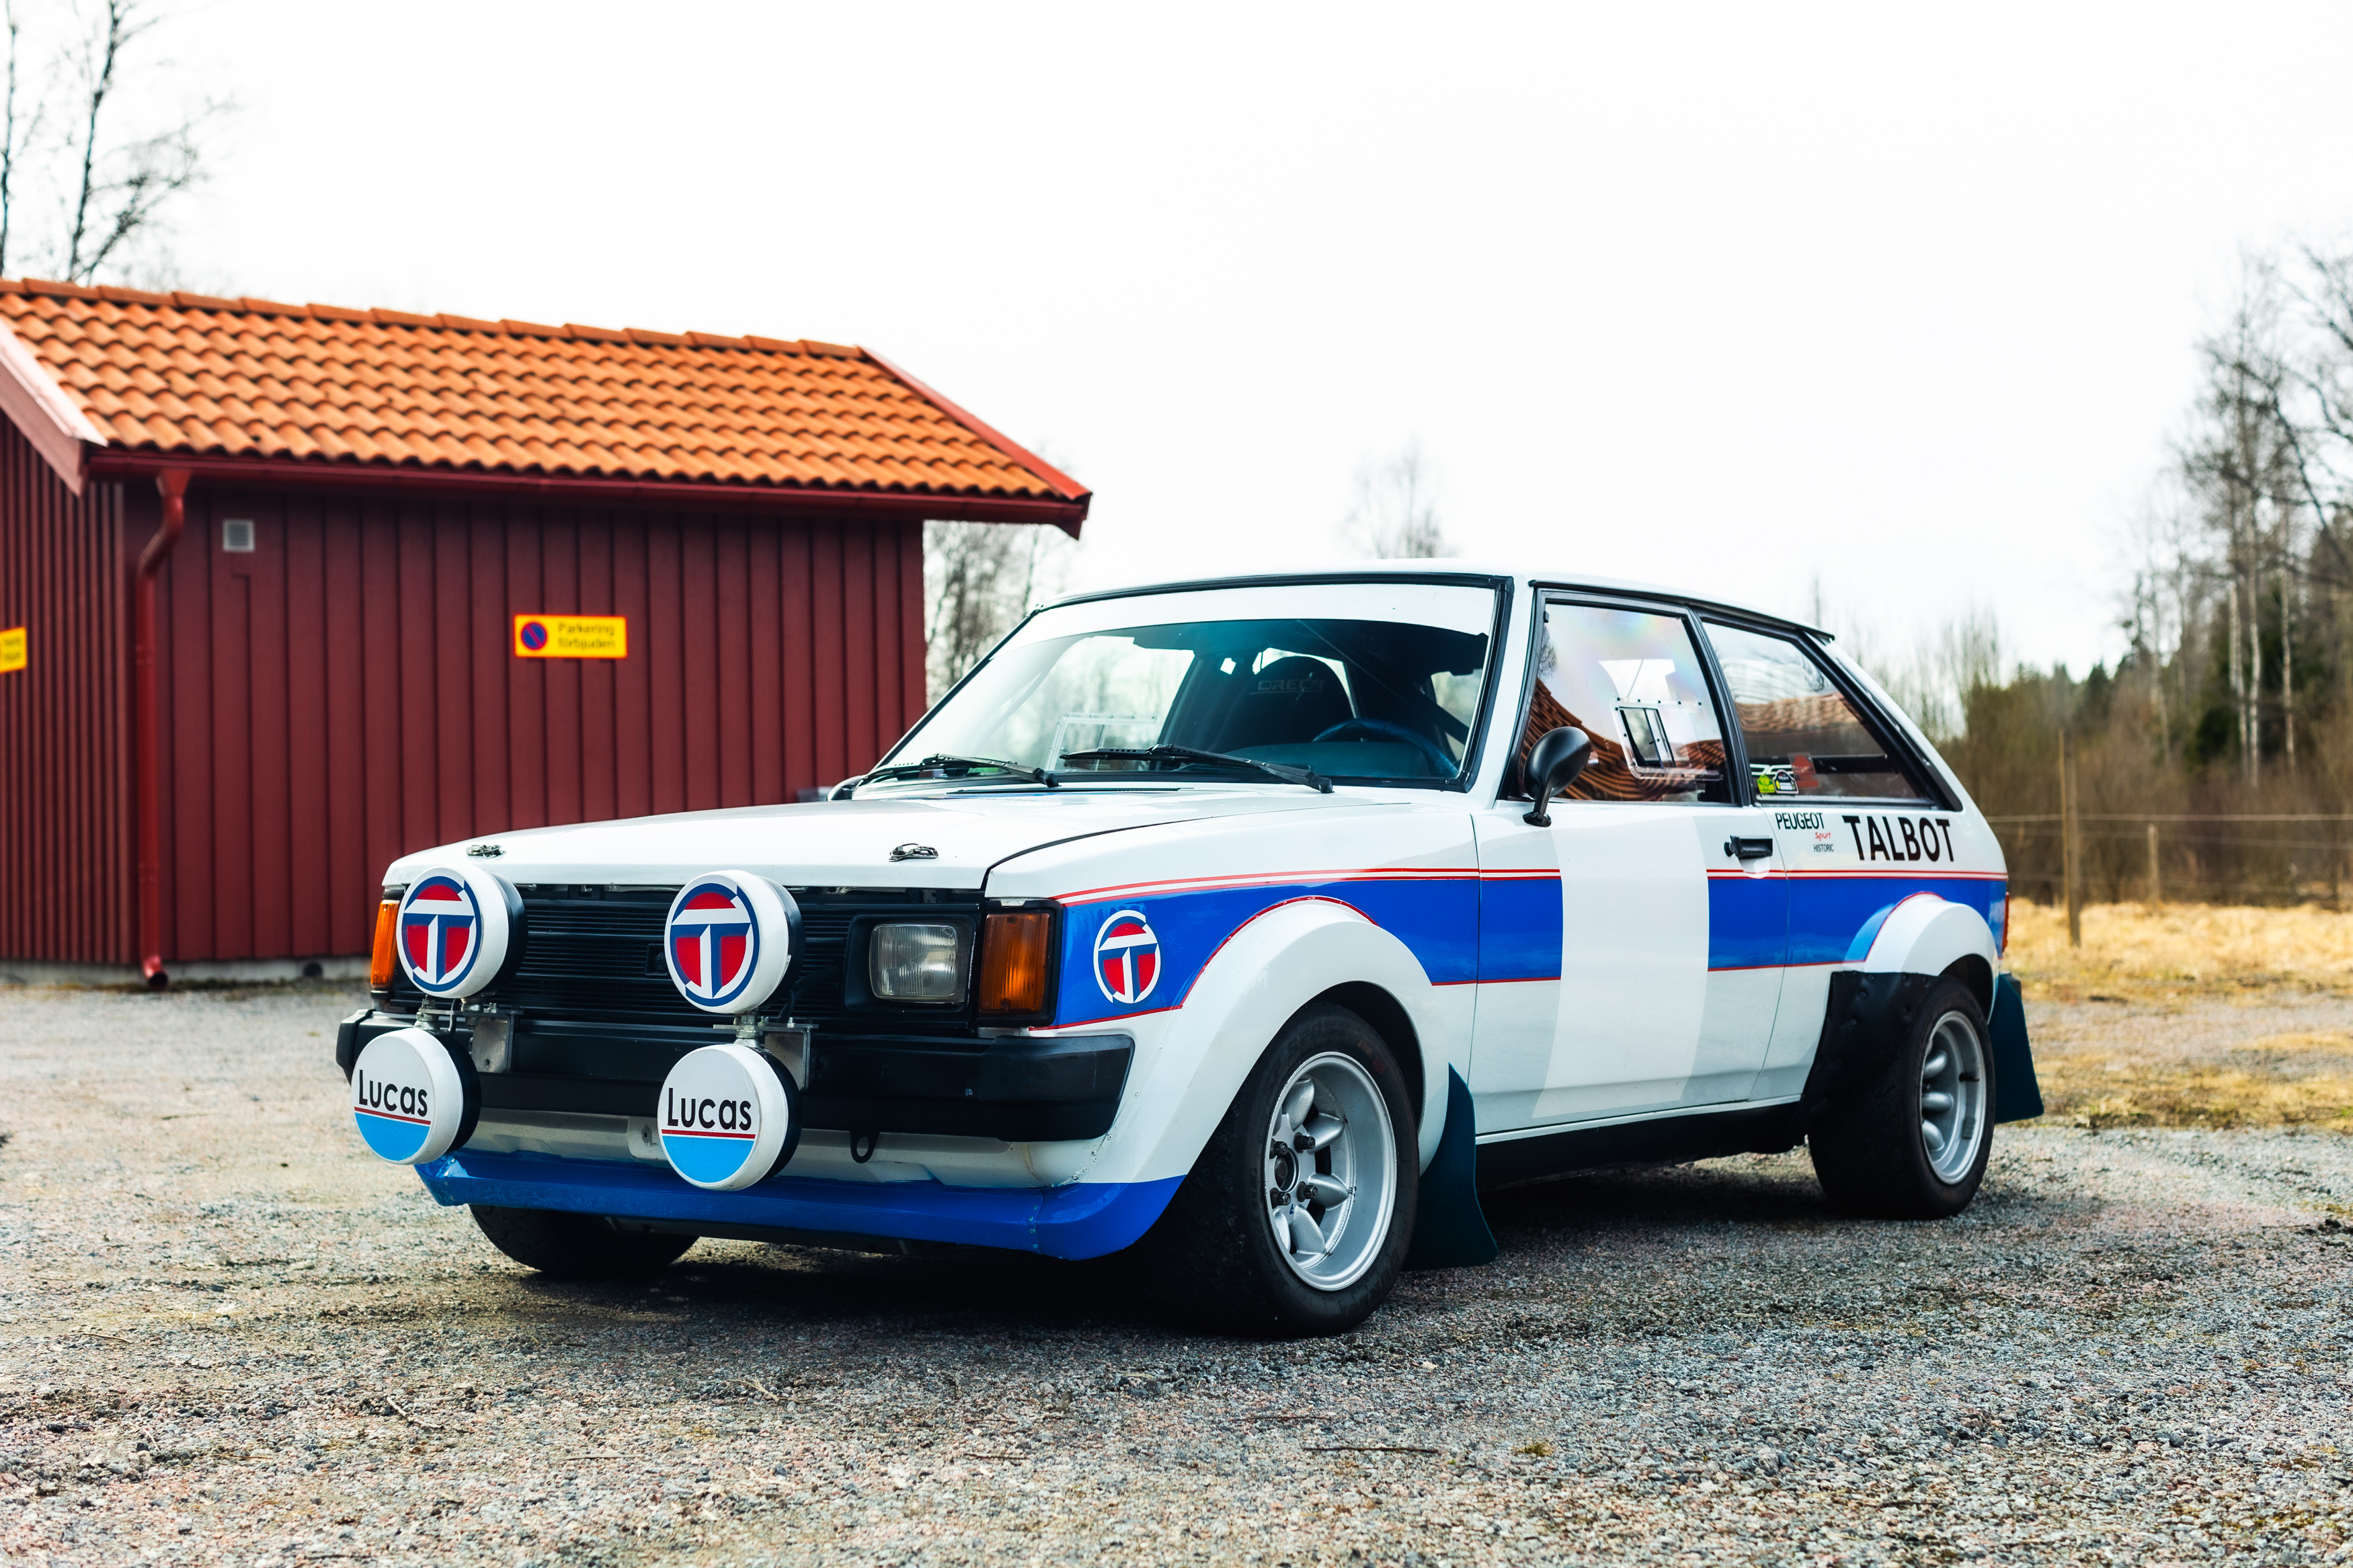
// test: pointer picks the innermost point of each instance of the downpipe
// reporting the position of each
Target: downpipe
(146, 714)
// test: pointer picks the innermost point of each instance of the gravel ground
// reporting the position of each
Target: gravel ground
(228, 1335)
(2201, 1031)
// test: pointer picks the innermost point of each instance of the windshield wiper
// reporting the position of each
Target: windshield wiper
(1284, 771)
(954, 767)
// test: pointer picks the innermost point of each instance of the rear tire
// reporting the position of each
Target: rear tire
(1267, 1237)
(577, 1245)
(1912, 1142)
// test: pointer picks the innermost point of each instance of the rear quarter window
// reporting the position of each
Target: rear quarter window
(1805, 736)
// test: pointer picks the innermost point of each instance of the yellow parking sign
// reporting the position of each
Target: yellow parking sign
(571, 637)
(12, 649)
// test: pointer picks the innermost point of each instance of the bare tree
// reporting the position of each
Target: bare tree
(2163, 611)
(2315, 409)
(965, 567)
(111, 186)
(2242, 465)
(1396, 510)
(979, 579)
(13, 135)
(1932, 677)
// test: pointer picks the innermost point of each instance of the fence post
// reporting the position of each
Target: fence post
(2067, 852)
(2156, 892)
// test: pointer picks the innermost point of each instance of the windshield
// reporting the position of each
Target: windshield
(1373, 682)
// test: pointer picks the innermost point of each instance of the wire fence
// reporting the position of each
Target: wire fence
(2181, 816)
(2188, 856)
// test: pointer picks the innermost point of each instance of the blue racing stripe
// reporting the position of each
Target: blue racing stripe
(1747, 921)
(1519, 928)
(1436, 917)
(1754, 920)
(1835, 919)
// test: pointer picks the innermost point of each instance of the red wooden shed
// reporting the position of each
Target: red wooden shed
(261, 567)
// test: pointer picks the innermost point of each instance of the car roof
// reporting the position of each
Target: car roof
(1358, 570)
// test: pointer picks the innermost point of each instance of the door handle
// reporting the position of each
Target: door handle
(1748, 848)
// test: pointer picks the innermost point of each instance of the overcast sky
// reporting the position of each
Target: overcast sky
(1734, 298)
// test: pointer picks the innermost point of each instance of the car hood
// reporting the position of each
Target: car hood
(848, 843)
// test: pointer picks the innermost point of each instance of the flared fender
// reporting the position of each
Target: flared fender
(1268, 970)
(1924, 934)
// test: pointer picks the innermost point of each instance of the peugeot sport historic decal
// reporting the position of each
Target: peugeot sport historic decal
(728, 1117)
(408, 1097)
(453, 930)
(728, 940)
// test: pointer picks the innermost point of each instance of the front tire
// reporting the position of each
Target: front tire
(1912, 1142)
(577, 1246)
(1296, 1218)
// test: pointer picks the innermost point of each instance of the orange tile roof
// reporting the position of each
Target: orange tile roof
(253, 379)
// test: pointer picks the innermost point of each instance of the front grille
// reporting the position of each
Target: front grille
(594, 954)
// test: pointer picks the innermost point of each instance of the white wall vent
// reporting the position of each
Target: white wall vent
(236, 535)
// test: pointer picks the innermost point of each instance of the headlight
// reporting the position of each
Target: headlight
(911, 961)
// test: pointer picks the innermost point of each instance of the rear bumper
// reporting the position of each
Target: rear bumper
(1081, 1219)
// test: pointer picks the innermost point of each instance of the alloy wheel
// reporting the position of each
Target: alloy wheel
(1953, 1097)
(1331, 1171)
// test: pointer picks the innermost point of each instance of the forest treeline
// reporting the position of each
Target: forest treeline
(2227, 722)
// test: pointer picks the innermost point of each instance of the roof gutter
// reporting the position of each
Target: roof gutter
(148, 717)
(115, 462)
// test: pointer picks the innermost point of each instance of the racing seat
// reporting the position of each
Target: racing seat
(1295, 699)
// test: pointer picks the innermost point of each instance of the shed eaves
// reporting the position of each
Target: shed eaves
(255, 379)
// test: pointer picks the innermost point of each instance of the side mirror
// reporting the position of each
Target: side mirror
(1559, 757)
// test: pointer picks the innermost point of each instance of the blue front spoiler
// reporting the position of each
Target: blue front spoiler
(1084, 1220)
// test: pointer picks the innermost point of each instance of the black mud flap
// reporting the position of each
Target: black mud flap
(1452, 1230)
(2017, 1096)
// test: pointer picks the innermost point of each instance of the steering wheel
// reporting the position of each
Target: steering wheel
(1382, 729)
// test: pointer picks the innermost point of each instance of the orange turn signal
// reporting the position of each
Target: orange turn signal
(1013, 953)
(380, 961)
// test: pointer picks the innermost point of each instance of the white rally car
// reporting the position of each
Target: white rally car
(1257, 921)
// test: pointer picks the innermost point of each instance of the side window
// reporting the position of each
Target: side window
(1631, 681)
(1804, 737)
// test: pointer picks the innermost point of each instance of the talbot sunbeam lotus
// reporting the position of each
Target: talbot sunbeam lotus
(1256, 924)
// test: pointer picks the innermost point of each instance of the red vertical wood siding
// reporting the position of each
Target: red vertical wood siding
(67, 865)
(347, 693)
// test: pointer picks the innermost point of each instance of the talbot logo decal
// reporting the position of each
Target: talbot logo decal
(439, 933)
(728, 940)
(1127, 958)
(714, 942)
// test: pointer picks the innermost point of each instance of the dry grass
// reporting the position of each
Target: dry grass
(2159, 1060)
(2280, 1081)
(2144, 950)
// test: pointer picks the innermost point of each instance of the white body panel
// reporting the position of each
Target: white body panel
(1266, 896)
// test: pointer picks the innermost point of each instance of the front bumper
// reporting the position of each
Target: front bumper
(1080, 1219)
(1015, 1089)
(1008, 1088)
